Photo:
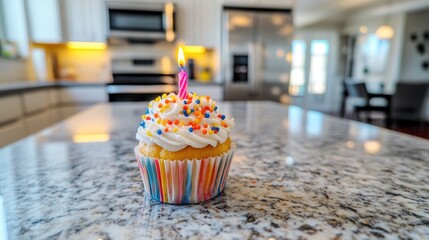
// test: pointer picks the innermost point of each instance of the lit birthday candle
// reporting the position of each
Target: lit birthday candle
(183, 76)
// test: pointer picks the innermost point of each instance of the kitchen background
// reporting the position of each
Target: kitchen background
(62, 56)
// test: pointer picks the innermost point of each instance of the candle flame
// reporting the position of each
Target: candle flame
(181, 57)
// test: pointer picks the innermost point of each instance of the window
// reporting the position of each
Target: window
(297, 76)
(374, 53)
(318, 67)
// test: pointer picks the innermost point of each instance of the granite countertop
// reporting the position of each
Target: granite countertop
(296, 175)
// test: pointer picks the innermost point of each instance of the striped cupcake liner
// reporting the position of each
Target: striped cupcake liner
(184, 181)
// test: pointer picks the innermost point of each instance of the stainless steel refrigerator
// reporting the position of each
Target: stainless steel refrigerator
(256, 53)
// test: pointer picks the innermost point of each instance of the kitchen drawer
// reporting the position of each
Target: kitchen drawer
(214, 91)
(11, 108)
(35, 101)
(53, 97)
(74, 95)
(11, 133)
(37, 122)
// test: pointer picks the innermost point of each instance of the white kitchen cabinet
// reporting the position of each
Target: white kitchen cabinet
(37, 122)
(35, 101)
(198, 22)
(11, 132)
(53, 97)
(13, 105)
(83, 95)
(76, 22)
(44, 19)
(99, 20)
(55, 21)
(84, 20)
(208, 19)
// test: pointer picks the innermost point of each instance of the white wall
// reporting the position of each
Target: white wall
(403, 62)
(391, 73)
(411, 70)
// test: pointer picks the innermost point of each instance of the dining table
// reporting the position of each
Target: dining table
(296, 174)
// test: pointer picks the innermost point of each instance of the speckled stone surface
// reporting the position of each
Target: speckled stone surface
(296, 175)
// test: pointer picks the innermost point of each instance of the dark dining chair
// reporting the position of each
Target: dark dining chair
(359, 90)
(408, 101)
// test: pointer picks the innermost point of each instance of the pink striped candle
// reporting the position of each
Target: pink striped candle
(183, 83)
(183, 76)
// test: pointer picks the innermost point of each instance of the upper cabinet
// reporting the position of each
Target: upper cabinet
(198, 22)
(45, 20)
(85, 20)
(55, 21)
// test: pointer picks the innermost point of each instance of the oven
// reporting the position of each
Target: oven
(140, 21)
(137, 78)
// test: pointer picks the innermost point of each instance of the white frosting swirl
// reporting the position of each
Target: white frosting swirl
(173, 123)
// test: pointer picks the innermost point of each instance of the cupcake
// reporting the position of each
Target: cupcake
(184, 151)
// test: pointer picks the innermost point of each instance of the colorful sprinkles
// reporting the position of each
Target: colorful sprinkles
(192, 114)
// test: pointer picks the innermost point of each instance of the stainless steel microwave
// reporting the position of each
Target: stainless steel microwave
(139, 20)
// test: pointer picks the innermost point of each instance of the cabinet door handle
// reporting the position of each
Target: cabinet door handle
(253, 65)
(168, 21)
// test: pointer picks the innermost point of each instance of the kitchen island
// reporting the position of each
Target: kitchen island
(296, 174)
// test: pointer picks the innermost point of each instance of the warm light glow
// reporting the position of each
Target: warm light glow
(289, 57)
(350, 144)
(194, 49)
(286, 30)
(166, 65)
(87, 45)
(363, 29)
(385, 32)
(280, 53)
(181, 57)
(372, 147)
(169, 34)
(86, 138)
(285, 123)
(241, 21)
(230, 26)
(293, 90)
(285, 99)
(277, 19)
(284, 78)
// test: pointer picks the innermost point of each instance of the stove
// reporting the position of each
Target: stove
(141, 79)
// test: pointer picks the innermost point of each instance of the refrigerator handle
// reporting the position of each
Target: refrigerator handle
(252, 68)
(258, 67)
